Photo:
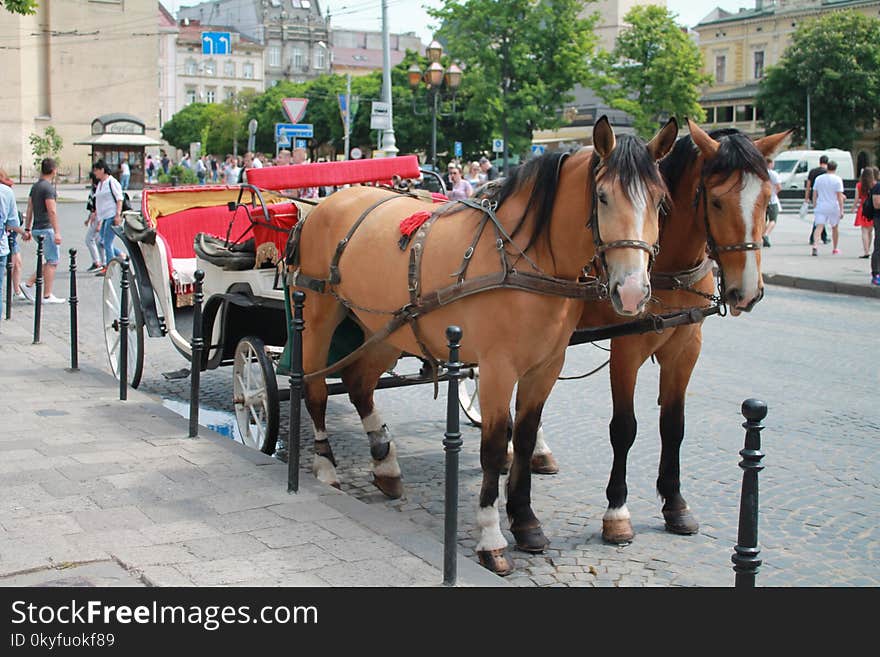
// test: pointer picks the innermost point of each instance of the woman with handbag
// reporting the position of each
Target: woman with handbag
(863, 188)
(108, 209)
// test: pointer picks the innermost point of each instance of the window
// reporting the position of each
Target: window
(320, 55)
(743, 113)
(274, 56)
(296, 58)
(190, 67)
(759, 113)
(190, 95)
(211, 68)
(710, 114)
(210, 94)
(724, 114)
(248, 71)
(720, 66)
(229, 93)
(759, 64)
(229, 69)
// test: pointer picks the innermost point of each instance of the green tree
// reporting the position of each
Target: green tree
(47, 145)
(186, 126)
(521, 60)
(654, 71)
(24, 7)
(835, 58)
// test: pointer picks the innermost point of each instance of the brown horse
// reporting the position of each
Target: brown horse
(719, 189)
(553, 216)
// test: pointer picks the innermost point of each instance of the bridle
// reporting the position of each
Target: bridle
(601, 246)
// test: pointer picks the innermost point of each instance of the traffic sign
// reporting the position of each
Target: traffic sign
(302, 143)
(294, 108)
(356, 153)
(458, 149)
(284, 132)
(538, 149)
(216, 43)
(380, 116)
(497, 145)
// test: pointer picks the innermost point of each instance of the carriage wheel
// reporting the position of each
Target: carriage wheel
(255, 395)
(112, 305)
(469, 397)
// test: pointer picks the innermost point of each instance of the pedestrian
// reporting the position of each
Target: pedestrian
(828, 200)
(866, 223)
(808, 194)
(488, 169)
(150, 168)
(41, 220)
(14, 245)
(875, 256)
(215, 170)
(461, 189)
(93, 229)
(301, 156)
(447, 180)
(108, 209)
(201, 170)
(165, 162)
(474, 176)
(773, 206)
(124, 175)
(9, 225)
(283, 158)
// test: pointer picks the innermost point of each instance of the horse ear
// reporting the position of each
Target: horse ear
(603, 137)
(772, 144)
(708, 146)
(664, 140)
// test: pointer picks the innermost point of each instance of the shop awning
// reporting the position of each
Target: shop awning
(119, 139)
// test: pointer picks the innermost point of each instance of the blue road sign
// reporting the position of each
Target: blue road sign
(458, 149)
(302, 143)
(497, 145)
(538, 149)
(216, 43)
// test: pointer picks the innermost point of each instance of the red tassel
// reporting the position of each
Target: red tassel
(409, 225)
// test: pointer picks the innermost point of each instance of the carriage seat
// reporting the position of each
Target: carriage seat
(235, 257)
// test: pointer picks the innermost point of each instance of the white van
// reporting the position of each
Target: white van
(793, 166)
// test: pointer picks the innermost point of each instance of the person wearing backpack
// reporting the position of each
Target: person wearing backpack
(108, 208)
(864, 209)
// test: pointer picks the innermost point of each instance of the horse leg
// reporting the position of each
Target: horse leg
(616, 524)
(532, 392)
(496, 388)
(543, 462)
(321, 315)
(677, 363)
(360, 380)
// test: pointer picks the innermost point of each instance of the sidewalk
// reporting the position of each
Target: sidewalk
(99, 492)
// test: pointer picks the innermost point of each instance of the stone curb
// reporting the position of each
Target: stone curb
(817, 285)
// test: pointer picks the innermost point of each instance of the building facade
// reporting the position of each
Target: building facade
(68, 63)
(294, 34)
(738, 48)
(360, 52)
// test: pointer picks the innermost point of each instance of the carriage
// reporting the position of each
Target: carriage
(237, 236)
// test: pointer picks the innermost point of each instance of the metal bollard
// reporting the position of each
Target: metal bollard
(74, 356)
(123, 334)
(9, 280)
(197, 345)
(296, 391)
(745, 557)
(452, 446)
(38, 295)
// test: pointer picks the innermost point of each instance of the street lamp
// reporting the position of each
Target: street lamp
(440, 84)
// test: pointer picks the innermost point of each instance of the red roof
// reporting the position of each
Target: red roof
(363, 57)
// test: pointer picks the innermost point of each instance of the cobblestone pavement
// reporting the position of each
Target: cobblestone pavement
(806, 354)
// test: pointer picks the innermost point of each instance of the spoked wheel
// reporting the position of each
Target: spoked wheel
(112, 305)
(469, 397)
(255, 395)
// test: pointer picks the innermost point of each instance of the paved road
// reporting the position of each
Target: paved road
(808, 355)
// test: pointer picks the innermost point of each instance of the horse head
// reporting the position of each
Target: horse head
(732, 197)
(627, 194)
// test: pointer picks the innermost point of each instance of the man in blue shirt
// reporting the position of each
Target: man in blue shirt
(8, 221)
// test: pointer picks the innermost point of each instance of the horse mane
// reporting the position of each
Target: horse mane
(630, 162)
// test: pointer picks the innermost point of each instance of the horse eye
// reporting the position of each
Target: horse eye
(603, 199)
(716, 203)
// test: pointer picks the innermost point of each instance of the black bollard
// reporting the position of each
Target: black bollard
(38, 294)
(9, 280)
(452, 446)
(296, 391)
(745, 557)
(123, 334)
(197, 345)
(74, 356)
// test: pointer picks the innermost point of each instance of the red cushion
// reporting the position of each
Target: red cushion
(321, 174)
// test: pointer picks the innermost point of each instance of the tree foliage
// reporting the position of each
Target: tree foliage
(836, 59)
(521, 59)
(654, 71)
(23, 7)
(49, 144)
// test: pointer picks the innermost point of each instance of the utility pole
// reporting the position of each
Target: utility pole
(347, 113)
(809, 131)
(389, 145)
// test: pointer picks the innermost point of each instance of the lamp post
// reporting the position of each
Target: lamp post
(439, 83)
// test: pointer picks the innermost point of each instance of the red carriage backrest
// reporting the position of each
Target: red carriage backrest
(326, 174)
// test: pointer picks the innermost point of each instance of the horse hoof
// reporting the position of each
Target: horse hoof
(391, 487)
(617, 531)
(544, 464)
(495, 561)
(530, 539)
(336, 485)
(681, 522)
